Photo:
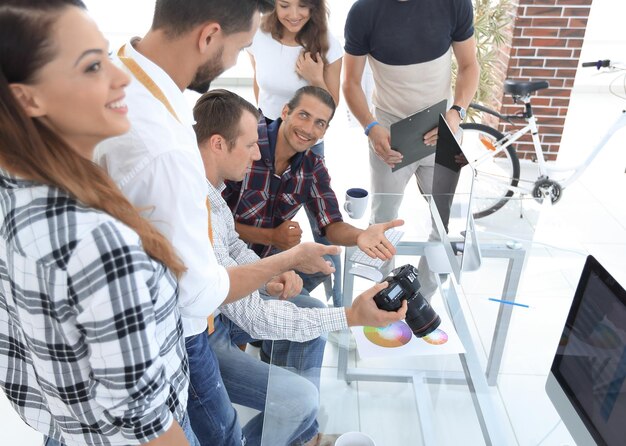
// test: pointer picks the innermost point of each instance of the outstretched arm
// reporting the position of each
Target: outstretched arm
(372, 240)
(279, 319)
(306, 257)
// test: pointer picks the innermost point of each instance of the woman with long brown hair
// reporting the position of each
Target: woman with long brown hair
(294, 48)
(91, 345)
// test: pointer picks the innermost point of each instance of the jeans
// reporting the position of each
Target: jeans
(289, 416)
(304, 358)
(186, 426)
(213, 417)
(337, 294)
(311, 281)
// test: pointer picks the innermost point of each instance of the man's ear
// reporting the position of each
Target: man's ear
(217, 144)
(208, 34)
(27, 98)
(284, 112)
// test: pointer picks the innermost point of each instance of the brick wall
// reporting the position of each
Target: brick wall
(545, 43)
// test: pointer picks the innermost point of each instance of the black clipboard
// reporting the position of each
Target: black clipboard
(447, 146)
(407, 135)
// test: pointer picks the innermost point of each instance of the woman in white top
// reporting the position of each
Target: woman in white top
(293, 49)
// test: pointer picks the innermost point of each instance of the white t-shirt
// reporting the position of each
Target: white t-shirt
(276, 70)
(157, 165)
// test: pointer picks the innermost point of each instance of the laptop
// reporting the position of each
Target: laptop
(587, 379)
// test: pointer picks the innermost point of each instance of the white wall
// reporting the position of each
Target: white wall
(605, 38)
(121, 19)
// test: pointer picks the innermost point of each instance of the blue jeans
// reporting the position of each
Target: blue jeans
(290, 414)
(213, 417)
(191, 438)
(312, 281)
(305, 358)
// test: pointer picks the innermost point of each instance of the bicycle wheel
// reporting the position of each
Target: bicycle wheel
(493, 175)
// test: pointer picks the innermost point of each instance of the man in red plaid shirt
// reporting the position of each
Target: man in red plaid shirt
(289, 176)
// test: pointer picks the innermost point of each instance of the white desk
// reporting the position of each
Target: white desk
(489, 414)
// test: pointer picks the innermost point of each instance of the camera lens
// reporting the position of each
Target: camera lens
(421, 317)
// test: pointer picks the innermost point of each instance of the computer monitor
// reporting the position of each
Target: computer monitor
(451, 256)
(587, 380)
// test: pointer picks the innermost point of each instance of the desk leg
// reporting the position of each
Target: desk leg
(489, 417)
(344, 339)
(425, 410)
(509, 292)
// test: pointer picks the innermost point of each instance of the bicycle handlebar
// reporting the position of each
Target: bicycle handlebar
(598, 64)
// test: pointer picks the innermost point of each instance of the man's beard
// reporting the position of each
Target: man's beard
(207, 73)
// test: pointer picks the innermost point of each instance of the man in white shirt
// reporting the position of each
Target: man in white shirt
(226, 130)
(157, 165)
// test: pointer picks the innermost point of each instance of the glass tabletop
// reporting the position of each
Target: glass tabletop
(489, 389)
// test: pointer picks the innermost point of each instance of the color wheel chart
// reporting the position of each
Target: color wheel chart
(394, 335)
(399, 334)
(436, 337)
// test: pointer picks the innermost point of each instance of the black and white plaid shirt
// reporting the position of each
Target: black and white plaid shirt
(91, 343)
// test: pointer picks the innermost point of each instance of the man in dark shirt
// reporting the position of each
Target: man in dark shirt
(409, 46)
(288, 176)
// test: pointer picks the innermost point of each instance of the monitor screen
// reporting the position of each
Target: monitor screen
(590, 363)
(451, 256)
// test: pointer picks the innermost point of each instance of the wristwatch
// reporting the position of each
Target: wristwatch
(461, 110)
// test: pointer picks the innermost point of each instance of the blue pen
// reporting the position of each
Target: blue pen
(508, 302)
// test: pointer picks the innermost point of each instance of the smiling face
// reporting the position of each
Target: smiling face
(80, 93)
(292, 14)
(305, 124)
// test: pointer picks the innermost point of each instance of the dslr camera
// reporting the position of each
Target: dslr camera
(404, 285)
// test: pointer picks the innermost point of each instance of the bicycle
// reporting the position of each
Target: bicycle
(495, 161)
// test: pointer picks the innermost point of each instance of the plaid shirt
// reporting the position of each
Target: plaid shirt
(264, 319)
(265, 200)
(91, 343)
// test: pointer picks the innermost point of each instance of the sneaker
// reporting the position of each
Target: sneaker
(334, 338)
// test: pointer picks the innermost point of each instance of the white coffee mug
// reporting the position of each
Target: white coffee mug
(356, 202)
(355, 439)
